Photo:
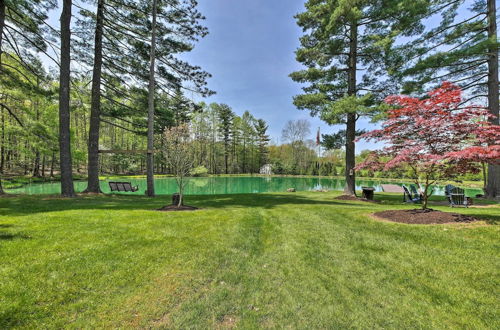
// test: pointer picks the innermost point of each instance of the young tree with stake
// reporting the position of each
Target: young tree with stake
(178, 151)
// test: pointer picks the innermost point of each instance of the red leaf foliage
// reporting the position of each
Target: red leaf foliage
(436, 136)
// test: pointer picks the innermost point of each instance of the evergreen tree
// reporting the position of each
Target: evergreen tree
(226, 116)
(172, 27)
(247, 137)
(262, 140)
(23, 29)
(337, 140)
(340, 38)
(151, 102)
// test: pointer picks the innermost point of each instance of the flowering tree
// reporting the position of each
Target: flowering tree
(178, 153)
(436, 137)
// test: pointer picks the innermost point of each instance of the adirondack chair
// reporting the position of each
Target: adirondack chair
(415, 192)
(447, 191)
(122, 186)
(408, 197)
(458, 198)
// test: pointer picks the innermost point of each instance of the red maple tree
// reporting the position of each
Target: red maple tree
(436, 136)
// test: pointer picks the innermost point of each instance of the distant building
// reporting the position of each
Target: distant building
(266, 169)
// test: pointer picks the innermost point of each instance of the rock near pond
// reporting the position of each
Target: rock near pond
(290, 190)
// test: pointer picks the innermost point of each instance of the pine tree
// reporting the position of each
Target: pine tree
(226, 116)
(262, 140)
(151, 102)
(159, 30)
(341, 38)
(247, 137)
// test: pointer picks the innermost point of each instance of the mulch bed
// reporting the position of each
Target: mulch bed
(176, 208)
(424, 217)
(353, 198)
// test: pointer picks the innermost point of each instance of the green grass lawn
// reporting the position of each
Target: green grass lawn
(300, 260)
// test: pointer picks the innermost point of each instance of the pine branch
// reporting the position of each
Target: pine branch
(32, 43)
(11, 112)
(120, 126)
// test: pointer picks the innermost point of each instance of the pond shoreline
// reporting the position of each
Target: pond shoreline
(227, 184)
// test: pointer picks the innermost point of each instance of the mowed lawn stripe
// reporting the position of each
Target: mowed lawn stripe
(266, 260)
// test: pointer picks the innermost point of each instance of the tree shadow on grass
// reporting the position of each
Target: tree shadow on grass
(491, 219)
(38, 204)
(10, 236)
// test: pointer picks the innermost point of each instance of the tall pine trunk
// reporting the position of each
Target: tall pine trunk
(95, 106)
(67, 188)
(493, 184)
(350, 151)
(151, 109)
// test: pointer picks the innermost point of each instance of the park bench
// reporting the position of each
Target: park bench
(122, 186)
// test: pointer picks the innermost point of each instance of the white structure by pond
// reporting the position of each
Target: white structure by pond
(266, 169)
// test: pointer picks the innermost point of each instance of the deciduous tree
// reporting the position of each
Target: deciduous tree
(178, 150)
(435, 136)
(463, 48)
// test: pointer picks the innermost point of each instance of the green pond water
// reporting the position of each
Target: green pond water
(224, 185)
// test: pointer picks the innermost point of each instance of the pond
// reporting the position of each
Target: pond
(225, 185)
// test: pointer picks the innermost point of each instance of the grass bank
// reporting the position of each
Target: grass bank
(300, 260)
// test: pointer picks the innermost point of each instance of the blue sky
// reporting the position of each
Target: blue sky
(250, 53)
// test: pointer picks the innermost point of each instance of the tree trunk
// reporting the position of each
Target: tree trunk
(43, 167)
(226, 155)
(26, 159)
(67, 188)
(2, 146)
(244, 156)
(36, 165)
(493, 185)
(52, 164)
(151, 109)
(95, 106)
(350, 151)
